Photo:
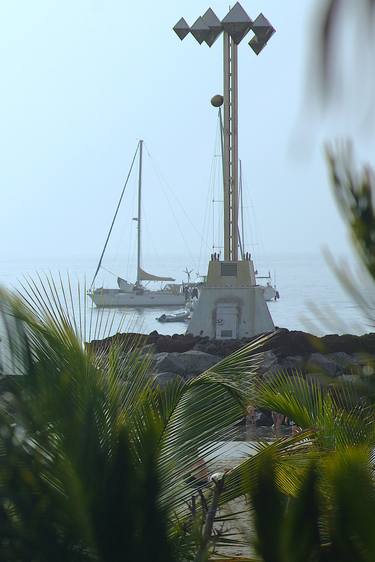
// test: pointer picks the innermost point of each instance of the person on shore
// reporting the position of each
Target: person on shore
(277, 419)
(251, 415)
(194, 293)
(295, 428)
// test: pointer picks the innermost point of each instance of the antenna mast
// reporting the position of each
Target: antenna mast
(139, 211)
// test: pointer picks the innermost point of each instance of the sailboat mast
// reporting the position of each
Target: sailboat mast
(139, 211)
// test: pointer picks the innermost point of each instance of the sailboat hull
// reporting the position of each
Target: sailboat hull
(269, 293)
(116, 298)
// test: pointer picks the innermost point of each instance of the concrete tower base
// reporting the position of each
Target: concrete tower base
(230, 305)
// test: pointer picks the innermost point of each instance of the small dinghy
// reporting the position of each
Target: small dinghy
(178, 317)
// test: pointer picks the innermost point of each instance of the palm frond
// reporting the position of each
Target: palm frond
(291, 456)
(301, 536)
(353, 191)
(206, 413)
(268, 510)
(60, 304)
(300, 400)
(353, 505)
(336, 15)
(335, 415)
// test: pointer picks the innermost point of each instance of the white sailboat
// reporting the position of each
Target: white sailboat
(137, 294)
(270, 291)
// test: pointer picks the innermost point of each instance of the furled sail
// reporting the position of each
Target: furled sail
(124, 285)
(144, 276)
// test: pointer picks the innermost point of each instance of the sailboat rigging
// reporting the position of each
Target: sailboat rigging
(135, 294)
(270, 291)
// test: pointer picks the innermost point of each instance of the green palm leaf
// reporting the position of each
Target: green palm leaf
(352, 491)
(336, 414)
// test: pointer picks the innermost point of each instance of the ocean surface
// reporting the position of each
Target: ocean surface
(311, 297)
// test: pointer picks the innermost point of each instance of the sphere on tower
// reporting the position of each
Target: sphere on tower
(217, 101)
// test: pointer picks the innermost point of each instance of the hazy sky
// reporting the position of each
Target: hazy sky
(83, 80)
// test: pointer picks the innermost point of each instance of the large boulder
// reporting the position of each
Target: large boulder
(286, 343)
(345, 362)
(161, 361)
(213, 347)
(364, 358)
(322, 364)
(177, 343)
(188, 363)
(268, 362)
(149, 349)
(292, 363)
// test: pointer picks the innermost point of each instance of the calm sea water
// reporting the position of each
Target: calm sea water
(312, 299)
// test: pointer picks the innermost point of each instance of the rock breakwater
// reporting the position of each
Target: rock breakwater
(292, 351)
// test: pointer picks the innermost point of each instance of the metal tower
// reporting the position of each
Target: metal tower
(235, 26)
(231, 304)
